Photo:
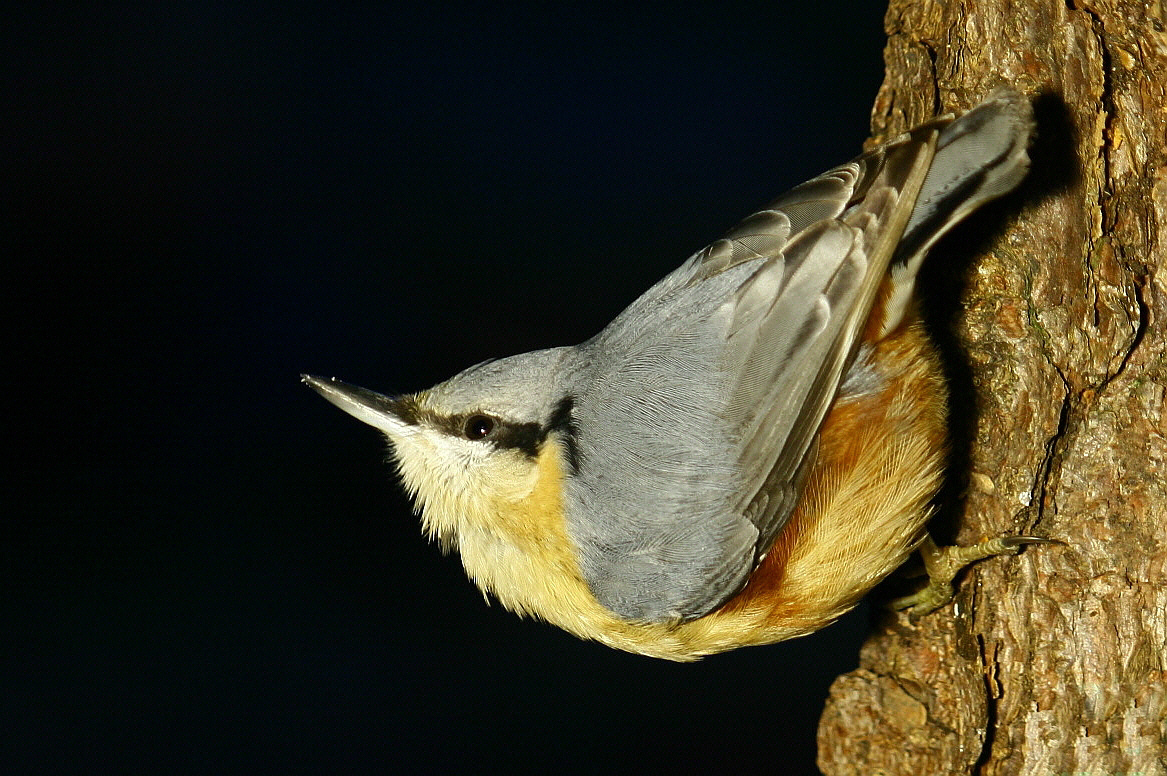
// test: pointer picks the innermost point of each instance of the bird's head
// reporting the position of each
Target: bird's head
(471, 445)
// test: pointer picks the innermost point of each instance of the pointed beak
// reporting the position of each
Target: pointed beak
(379, 411)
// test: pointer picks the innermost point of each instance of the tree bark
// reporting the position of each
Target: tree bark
(1052, 661)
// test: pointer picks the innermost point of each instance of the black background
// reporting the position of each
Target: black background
(210, 569)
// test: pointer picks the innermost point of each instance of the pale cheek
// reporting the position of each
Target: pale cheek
(513, 478)
(454, 483)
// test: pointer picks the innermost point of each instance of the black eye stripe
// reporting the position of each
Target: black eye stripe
(524, 437)
(563, 422)
(488, 429)
(527, 438)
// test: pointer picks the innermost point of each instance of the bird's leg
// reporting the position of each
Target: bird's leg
(944, 563)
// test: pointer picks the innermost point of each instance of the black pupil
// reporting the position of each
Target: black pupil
(478, 427)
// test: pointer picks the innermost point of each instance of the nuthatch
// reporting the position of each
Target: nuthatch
(746, 450)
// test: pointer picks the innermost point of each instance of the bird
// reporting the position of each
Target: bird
(746, 450)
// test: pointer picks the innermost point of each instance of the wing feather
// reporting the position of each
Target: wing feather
(715, 382)
(809, 334)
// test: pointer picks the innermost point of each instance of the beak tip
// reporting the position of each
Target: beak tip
(318, 384)
(377, 410)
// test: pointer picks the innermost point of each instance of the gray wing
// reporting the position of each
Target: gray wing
(699, 416)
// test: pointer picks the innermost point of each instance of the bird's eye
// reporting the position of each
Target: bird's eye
(479, 427)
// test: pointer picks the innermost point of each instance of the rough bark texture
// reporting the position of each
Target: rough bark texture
(1053, 661)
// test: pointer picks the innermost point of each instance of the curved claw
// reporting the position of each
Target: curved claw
(1021, 541)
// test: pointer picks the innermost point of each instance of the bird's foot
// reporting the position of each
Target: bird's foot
(944, 563)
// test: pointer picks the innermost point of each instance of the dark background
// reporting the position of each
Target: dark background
(210, 569)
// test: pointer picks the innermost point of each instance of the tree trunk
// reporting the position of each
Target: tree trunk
(1052, 661)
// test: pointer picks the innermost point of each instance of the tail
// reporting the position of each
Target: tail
(979, 156)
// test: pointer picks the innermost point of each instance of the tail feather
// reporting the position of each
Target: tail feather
(980, 156)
